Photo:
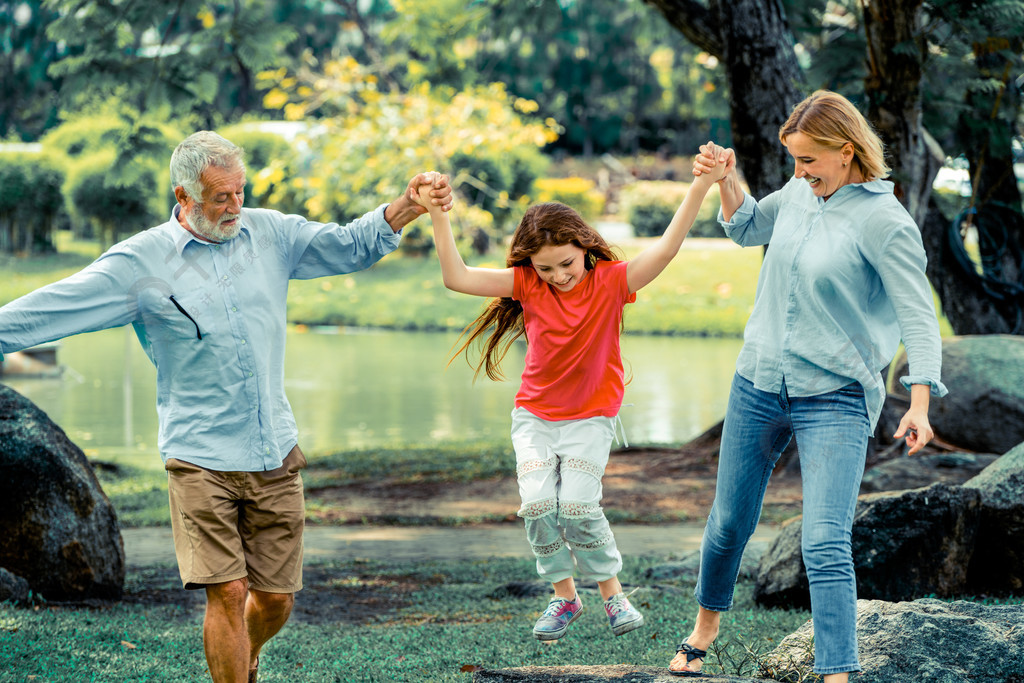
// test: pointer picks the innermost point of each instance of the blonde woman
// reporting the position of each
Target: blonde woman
(843, 281)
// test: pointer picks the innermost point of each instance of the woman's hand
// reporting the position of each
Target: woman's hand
(714, 160)
(916, 428)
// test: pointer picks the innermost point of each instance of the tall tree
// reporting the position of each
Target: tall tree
(28, 98)
(752, 40)
(903, 41)
(195, 56)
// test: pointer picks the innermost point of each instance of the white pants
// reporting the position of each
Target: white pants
(559, 466)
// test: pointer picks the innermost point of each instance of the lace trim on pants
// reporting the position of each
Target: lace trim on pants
(549, 549)
(534, 466)
(600, 543)
(582, 465)
(538, 508)
(576, 510)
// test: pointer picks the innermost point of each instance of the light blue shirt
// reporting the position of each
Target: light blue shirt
(842, 282)
(220, 357)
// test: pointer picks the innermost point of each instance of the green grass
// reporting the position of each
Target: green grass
(701, 293)
(436, 619)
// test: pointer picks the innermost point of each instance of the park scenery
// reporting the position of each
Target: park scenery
(416, 565)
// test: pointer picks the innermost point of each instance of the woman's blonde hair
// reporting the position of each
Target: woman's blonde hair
(831, 120)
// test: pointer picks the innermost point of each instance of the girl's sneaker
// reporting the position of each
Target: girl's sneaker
(622, 616)
(555, 621)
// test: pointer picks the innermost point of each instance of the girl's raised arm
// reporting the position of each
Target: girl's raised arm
(648, 265)
(457, 276)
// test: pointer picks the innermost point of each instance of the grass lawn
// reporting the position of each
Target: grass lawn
(373, 621)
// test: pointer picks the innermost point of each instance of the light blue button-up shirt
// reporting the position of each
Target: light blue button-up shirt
(211, 318)
(842, 282)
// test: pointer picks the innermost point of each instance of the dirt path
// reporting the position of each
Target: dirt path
(648, 485)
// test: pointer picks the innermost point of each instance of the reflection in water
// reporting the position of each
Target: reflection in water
(359, 389)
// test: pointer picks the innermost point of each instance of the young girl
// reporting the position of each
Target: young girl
(565, 290)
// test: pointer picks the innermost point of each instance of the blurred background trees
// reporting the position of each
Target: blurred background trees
(338, 102)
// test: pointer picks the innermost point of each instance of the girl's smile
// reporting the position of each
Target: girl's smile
(562, 267)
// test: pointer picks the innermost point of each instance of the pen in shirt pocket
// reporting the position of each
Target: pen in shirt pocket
(199, 335)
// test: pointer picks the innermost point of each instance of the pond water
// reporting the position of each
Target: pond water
(354, 389)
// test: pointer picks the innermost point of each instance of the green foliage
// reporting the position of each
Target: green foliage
(372, 143)
(650, 206)
(28, 104)
(578, 193)
(30, 201)
(195, 56)
(611, 71)
(269, 158)
(118, 204)
(115, 161)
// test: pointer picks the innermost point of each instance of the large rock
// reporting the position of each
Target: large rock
(905, 544)
(59, 530)
(924, 641)
(915, 472)
(13, 587)
(984, 410)
(687, 566)
(998, 562)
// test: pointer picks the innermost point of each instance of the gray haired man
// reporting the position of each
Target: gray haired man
(206, 293)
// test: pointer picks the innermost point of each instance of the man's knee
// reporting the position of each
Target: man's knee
(230, 593)
(273, 603)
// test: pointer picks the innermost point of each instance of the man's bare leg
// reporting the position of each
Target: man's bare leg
(265, 614)
(225, 636)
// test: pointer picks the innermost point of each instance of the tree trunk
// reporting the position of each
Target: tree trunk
(991, 304)
(896, 51)
(987, 135)
(752, 40)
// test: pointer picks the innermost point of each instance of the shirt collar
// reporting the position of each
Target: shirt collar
(182, 236)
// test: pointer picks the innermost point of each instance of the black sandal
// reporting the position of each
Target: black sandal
(691, 653)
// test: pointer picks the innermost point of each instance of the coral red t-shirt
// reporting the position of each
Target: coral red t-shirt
(573, 364)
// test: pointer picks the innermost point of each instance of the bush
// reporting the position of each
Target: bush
(269, 159)
(650, 206)
(496, 179)
(579, 193)
(30, 201)
(118, 203)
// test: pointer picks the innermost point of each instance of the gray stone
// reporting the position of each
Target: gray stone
(906, 544)
(13, 587)
(687, 566)
(592, 674)
(521, 589)
(984, 410)
(60, 531)
(915, 472)
(997, 566)
(924, 641)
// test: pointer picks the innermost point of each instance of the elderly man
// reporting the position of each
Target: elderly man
(206, 294)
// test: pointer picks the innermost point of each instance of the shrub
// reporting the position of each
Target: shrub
(579, 193)
(120, 203)
(269, 160)
(650, 206)
(30, 201)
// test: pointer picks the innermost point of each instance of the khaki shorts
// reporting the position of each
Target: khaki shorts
(234, 525)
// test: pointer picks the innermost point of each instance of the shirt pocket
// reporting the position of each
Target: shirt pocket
(174, 317)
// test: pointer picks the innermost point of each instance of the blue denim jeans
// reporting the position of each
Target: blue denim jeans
(831, 433)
